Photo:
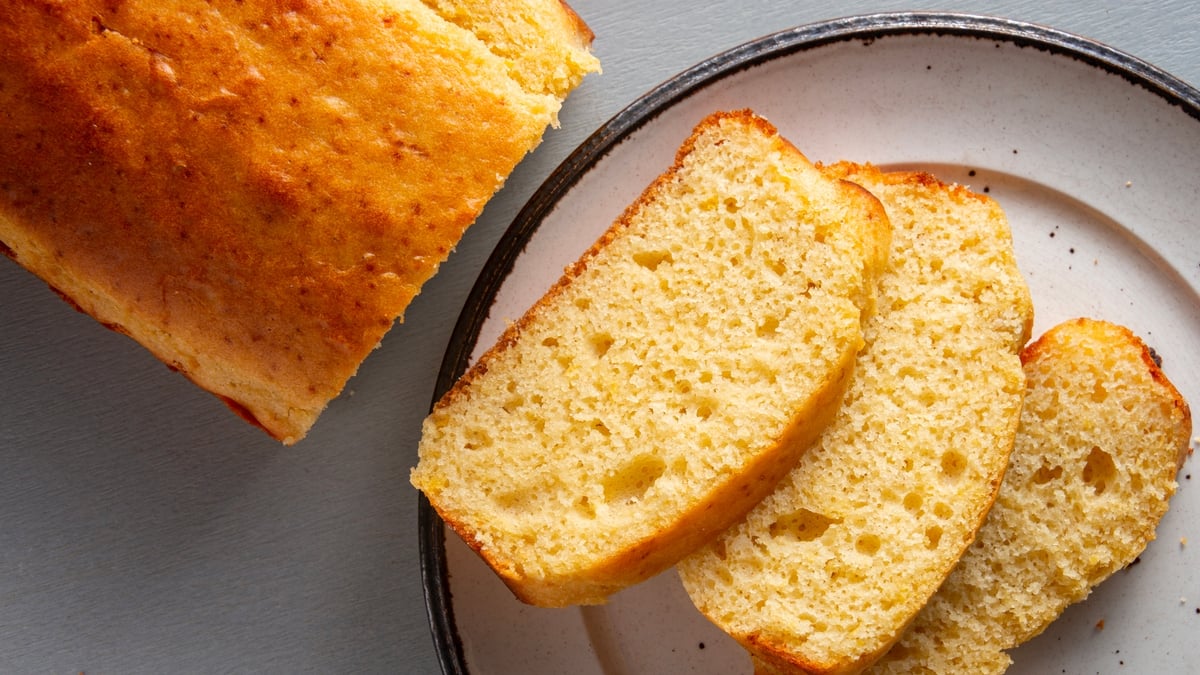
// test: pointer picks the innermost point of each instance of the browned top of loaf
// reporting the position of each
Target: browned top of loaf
(254, 191)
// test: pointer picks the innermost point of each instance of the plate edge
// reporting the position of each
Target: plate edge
(866, 27)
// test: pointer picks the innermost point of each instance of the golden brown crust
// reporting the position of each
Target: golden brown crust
(253, 191)
(1037, 350)
(586, 36)
(769, 657)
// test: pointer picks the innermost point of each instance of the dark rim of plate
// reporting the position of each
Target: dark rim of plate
(866, 27)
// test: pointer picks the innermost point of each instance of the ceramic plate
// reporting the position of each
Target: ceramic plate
(1093, 154)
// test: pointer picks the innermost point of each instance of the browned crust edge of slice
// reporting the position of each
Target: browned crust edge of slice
(727, 502)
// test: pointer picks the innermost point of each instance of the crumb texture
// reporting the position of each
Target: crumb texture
(669, 379)
(823, 576)
(1102, 436)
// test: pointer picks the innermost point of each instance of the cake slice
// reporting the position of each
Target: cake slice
(256, 191)
(823, 576)
(1103, 434)
(669, 379)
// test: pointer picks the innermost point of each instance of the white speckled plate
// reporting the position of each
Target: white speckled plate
(1094, 155)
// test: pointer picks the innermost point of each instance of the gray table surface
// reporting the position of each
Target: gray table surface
(144, 529)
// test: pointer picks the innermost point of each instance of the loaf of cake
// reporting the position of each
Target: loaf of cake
(824, 575)
(667, 381)
(1103, 434)
(256, 191)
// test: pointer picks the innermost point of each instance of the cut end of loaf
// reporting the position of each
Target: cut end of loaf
(518, 32)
